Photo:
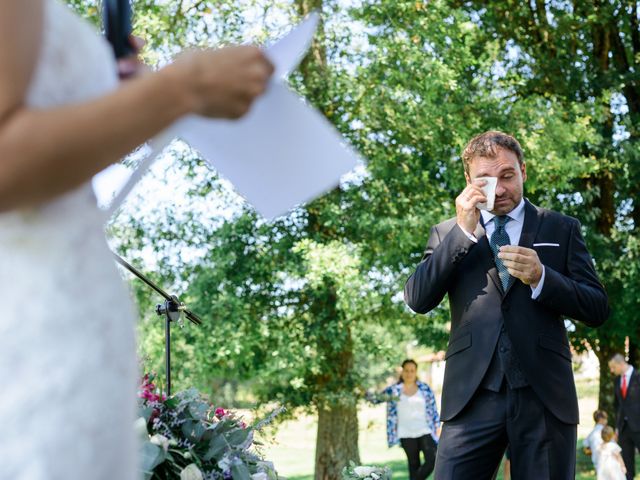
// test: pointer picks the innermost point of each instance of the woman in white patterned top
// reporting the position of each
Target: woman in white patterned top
(413, 420)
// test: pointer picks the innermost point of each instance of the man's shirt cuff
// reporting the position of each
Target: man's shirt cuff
(470, 236)
(535, 292)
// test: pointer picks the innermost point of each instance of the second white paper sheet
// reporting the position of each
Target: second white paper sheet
(286, 53)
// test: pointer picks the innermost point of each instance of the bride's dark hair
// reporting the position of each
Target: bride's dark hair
(408, 360)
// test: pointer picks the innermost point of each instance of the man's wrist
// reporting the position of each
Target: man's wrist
(537, 288)
(537, 282)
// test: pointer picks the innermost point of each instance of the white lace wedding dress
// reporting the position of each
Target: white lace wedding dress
(67, 346)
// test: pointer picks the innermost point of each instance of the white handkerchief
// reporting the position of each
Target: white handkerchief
(489, 191)
(546, 244)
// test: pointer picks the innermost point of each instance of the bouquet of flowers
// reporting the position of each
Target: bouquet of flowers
(353, 472)
(184, 437)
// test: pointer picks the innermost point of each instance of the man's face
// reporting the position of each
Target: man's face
(511, 177)
(615, 368)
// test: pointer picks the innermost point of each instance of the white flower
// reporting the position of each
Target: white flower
(161, 441)
(375, 476)
(224, 464)
(191, 472)
(260, 476)
(363, 472)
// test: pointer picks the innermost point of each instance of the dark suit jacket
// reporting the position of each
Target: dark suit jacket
(466, 271)
(629, 407)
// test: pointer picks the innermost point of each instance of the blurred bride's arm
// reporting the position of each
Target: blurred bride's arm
(44, 153)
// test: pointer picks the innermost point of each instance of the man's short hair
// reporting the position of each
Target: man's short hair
(618, 358)
(486, 145)
(600, 415)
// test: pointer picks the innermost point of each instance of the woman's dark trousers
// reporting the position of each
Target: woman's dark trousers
(412, 447)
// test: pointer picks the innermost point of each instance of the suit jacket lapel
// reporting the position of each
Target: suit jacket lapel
(632, 378)
(532, 220)
(487, 255)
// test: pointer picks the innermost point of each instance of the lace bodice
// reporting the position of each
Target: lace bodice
(74, 65)
(67, 348)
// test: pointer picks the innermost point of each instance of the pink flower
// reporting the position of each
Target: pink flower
(220, 412)
(148, 390)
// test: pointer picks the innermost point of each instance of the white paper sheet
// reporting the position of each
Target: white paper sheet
(281, 154)
(288, 52)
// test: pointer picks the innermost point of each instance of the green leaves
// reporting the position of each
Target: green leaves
(307, 307)
(217, 446)
(240, 472)
(189, 437)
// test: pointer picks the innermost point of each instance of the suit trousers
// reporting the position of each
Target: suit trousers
(629, 442)
(473, 442)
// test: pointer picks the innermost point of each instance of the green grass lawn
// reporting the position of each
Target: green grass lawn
(293, 449)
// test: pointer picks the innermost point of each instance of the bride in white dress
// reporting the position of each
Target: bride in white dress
(67, 347)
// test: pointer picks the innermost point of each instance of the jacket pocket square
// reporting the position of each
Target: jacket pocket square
(546, 244)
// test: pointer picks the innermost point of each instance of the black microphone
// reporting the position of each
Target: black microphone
(117, 26)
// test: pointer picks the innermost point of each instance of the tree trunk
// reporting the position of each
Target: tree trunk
(605, 394)
(337, 440)
(337, 437)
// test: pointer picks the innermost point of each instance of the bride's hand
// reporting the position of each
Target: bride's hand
(132, 65)
(223, 83)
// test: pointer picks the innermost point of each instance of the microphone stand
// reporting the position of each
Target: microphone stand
(117, 23)
(172, 308)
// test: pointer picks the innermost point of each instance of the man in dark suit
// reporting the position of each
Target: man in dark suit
(511, 275)
(627, 404)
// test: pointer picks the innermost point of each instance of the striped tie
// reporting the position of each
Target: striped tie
(500, 238)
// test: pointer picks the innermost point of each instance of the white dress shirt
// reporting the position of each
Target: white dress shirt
(593, 442)
(513, 229)
(627, 374)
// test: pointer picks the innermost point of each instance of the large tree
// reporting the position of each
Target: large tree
(291, 305)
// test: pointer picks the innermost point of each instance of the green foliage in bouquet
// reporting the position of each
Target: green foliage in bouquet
(184, 437)
(354, 472)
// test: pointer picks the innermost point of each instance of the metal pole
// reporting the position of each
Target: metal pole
(167, 352)
(171, 309)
